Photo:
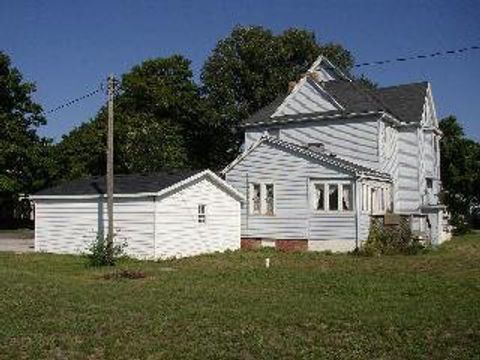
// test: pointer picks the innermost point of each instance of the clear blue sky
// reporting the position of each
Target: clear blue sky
(67, 47)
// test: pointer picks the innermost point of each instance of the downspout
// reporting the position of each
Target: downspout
(357, 214)
(247, 207)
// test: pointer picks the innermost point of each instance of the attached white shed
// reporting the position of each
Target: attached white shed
(159, 215)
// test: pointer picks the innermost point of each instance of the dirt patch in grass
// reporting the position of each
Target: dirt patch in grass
(125, 274)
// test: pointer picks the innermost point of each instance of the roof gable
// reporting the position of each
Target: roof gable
(307, 97)
(324, 70)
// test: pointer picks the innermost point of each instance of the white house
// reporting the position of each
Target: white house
(322, 160)
(159, 216)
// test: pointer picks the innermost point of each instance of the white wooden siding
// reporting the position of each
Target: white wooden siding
(152, 227)
(306, 98)
(293, 217)
(178, 232)
(68, 226)
(352, 139)
(251, 137)
(407, 189)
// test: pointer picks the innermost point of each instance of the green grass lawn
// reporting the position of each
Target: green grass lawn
(307, 305)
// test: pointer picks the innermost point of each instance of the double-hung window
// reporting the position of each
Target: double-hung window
(262, 199)
(332, 196)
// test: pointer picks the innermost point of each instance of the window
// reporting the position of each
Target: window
(262, 199)
(429, 183)
(256, 199)
(202, 214)
(269, 198)
(377, 198)
(319, 196)
(332, 196)
(347, 197)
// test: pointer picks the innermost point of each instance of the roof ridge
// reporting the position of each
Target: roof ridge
(405, 84)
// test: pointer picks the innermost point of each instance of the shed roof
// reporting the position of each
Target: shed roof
(133, 185)
(123, 184)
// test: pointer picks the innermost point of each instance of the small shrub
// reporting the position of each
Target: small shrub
(125, 274)
(97, 252)
(389, 241)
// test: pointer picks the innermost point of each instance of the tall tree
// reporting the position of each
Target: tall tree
(460, 171)
(24, 162)
(251, 67)
(156, 116)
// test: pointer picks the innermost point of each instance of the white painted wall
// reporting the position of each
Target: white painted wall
(294, 218)
(307, 97)
(161, 228)
(178, 232)
(69, 226)
(351, 139)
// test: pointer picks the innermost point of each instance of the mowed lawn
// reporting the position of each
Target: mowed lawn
(306, 306)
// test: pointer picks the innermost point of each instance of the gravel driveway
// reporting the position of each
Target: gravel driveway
(16, 241)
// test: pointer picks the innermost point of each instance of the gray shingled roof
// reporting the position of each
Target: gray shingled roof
(406, 101)
(402, 101)
(123, 184)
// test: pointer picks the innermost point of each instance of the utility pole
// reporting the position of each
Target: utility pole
(111, 91)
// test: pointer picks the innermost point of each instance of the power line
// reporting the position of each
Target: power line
(371, 63)
(417, 57)
(74, 101)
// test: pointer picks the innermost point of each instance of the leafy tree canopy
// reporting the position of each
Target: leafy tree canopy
(155, 116)
(460, 171)
(22, 151)
(249, 68)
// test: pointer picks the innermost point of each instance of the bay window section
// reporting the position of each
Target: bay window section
(347, 197)
(319, 197)
(331, 196)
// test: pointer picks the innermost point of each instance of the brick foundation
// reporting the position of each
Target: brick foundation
(250, 243)
(291, 245)
(282, 245)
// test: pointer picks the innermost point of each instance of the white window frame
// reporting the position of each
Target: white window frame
(326, 204)
(263, 198)
(376, 198)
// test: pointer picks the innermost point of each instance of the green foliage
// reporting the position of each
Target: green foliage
(390, 240)
(156, 116)
(26, 164)
(460, 172)
(250, 68)
(99, 254)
